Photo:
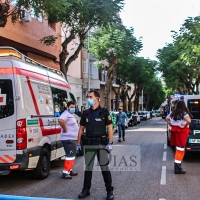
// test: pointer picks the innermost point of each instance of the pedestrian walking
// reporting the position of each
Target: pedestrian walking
(179, 119)
(121, 117)
(69, 136)
(94, 120)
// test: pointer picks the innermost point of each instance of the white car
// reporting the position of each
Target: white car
(135, 113)
(147, 115)
(144, 115)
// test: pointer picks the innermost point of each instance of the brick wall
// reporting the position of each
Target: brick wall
(25, 36)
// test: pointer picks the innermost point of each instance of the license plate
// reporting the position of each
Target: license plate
(194, 140)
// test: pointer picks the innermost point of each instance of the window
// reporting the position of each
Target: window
(84, 69)
(60, 100)
(104, 76)
(6, 98)
(39, 18)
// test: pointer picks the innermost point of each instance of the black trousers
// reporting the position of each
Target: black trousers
(102, 156)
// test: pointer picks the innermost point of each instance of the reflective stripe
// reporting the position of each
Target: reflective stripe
(7, 158)
(66, 172)
(180, 149)
(69, 158)
(177, 161)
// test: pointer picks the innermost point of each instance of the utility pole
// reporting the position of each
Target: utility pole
(88, 62)
(142, 99)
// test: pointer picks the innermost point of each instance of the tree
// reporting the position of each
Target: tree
(180, 61)
(76, 22)
(115, 44)
(140, 72)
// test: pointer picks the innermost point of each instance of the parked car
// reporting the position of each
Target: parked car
(144, 115)
(156, 113)
(132, 119)
(147, 115)
(135, 113)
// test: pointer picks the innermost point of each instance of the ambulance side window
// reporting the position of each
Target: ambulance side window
(6, 98)
(60, 100)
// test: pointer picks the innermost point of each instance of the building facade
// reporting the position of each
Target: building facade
(24, 35)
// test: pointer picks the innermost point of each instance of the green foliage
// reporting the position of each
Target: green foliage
(180, 61)
(35, 7)
(48, 40)
(81, 15)
(114, 42)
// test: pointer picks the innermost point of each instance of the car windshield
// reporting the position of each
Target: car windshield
(141, 113)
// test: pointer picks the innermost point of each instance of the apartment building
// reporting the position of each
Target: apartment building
(24, 35)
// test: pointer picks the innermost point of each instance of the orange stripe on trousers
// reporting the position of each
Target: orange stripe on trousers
(179, 155)
(68, 165)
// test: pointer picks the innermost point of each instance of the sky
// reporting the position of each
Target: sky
(153, 20)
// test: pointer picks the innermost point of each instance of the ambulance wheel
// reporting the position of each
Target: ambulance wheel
(43, 166)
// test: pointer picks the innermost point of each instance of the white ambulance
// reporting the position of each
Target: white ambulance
(32, 97)
(193, 104)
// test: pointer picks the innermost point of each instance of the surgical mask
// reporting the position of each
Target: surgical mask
(72, 110)
(91, 102)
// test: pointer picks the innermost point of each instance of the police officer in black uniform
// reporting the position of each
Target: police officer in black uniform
(94, 120)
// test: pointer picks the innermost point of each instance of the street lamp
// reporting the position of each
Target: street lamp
(88, 62)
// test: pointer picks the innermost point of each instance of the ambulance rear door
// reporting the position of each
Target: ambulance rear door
(193, 142)
(7, 113)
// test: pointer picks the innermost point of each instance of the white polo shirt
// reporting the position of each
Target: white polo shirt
(177, 122)
(72, 126)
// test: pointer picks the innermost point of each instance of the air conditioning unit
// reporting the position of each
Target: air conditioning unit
(25, 16)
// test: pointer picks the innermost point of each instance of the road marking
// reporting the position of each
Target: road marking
(165, 146)
(163, 176)
(164, 156)
(13, 197)
(162, 199)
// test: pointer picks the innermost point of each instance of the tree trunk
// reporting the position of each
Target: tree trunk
(129, 99)
(4, 8)
(110, 77)
(117, 95)
(75, 55)
(64, 53)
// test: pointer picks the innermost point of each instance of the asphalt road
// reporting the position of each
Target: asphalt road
(142, 169)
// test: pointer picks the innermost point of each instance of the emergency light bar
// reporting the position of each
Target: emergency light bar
(193, 102)
(10, 52)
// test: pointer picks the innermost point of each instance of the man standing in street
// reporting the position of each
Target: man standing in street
(94, 120)
(121, 117)
(68, 137)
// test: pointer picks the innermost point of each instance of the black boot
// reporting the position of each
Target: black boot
(178, 169)
(110, 195)
(84, 193)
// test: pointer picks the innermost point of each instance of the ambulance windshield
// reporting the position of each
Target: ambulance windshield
(6, 98)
